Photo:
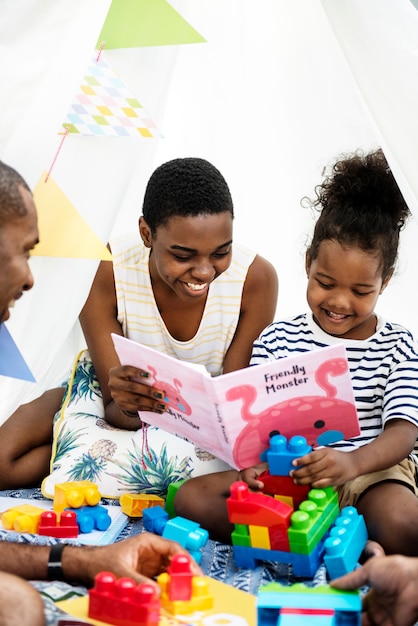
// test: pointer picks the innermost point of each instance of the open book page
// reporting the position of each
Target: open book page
(232, 415)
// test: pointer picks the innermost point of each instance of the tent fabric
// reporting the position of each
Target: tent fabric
(271, 93)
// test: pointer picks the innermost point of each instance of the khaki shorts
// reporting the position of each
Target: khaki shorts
(404, 473)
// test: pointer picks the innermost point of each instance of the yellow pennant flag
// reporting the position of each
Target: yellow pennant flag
(62, 230)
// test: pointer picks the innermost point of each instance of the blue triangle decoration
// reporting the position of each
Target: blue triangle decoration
(12, 363)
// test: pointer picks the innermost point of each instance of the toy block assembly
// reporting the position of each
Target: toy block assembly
(122, 602)
(181, 592)
(345, 542)
(75, 494)
(187, 533)
(299, 604)
(133, 504)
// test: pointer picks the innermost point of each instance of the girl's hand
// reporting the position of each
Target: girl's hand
(323, 468)
(251, 474)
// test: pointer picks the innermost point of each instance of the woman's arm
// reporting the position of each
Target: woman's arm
(120, 391)
(258, 308)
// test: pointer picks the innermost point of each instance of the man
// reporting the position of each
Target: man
(141, 557)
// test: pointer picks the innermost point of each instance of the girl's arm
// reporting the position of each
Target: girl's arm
(327, 466)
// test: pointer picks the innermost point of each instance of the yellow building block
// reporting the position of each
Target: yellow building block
(23, 518)
(75, 494)
(260, 537)
(133, 504)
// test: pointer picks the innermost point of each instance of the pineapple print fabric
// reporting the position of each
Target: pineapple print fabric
(86, 447)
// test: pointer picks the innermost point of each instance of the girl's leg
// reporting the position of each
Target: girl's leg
(390, 511)
(203, 500)
(20, 603)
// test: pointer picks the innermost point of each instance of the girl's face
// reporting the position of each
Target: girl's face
(188, 253)
(344, 284)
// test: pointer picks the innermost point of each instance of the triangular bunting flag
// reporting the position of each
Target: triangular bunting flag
(141, 23)
(62, 230)
(12, 363)
(104, 106)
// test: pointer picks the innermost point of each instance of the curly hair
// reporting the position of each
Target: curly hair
(361, 205)
(12, 204)
(185, 187)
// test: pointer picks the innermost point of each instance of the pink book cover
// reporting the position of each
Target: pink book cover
(233, 415)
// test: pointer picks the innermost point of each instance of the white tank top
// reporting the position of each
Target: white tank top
(141, 321)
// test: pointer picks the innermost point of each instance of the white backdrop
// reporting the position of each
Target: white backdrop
(279, 89)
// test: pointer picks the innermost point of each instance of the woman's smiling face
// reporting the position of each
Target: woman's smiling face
(344, 283)
(188, 253)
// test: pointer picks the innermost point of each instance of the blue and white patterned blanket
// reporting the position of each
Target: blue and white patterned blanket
(217, 562)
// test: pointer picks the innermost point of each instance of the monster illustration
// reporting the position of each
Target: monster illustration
(321, 419)
(172, 393)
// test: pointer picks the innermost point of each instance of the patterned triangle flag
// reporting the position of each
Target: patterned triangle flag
(12, 363)
(141, 23)
(104, 106)
(62, 230)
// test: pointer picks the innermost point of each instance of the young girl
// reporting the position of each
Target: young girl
(349, 263)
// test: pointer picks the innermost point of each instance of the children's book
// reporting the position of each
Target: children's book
(233, 415)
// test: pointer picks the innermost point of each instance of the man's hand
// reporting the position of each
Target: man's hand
(393, 598)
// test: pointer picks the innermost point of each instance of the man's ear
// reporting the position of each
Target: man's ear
(145, 232)
(386, 281)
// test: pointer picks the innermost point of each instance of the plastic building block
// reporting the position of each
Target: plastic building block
(91, 518)
(171, 494)
(66, 527)
(284, 489)
(133, 504)
(181, 592)
(75, 494)
(245, 507)
(345, 542)
(299, 604)
(282, 452)
(313, 519)
(241, 536)
(23, 518)
(122, 602)
(303, 565)
(155, 519)
(187, 533)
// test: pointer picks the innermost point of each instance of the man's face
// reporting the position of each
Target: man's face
(18, 237)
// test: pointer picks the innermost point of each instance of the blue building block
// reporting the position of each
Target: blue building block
(345, 542)
(187, 533)
(285, 606)
(90, 518)
(155, 519)
(282, 452)
(313, 519)
(303, 565)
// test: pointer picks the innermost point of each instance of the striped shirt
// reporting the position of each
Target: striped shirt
(383, 368)
(141, 321)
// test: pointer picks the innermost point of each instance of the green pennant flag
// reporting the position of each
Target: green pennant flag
(141, 23)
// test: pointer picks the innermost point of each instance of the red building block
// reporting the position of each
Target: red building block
(256, 509)
(180, 583)
(66, 527)
(284, 486)
(122, 602)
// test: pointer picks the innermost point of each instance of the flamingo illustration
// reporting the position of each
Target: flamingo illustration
(320, 419)
(172, 393)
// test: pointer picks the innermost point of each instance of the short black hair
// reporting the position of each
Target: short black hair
(361, 204)
(185, 187)
(12, 204)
